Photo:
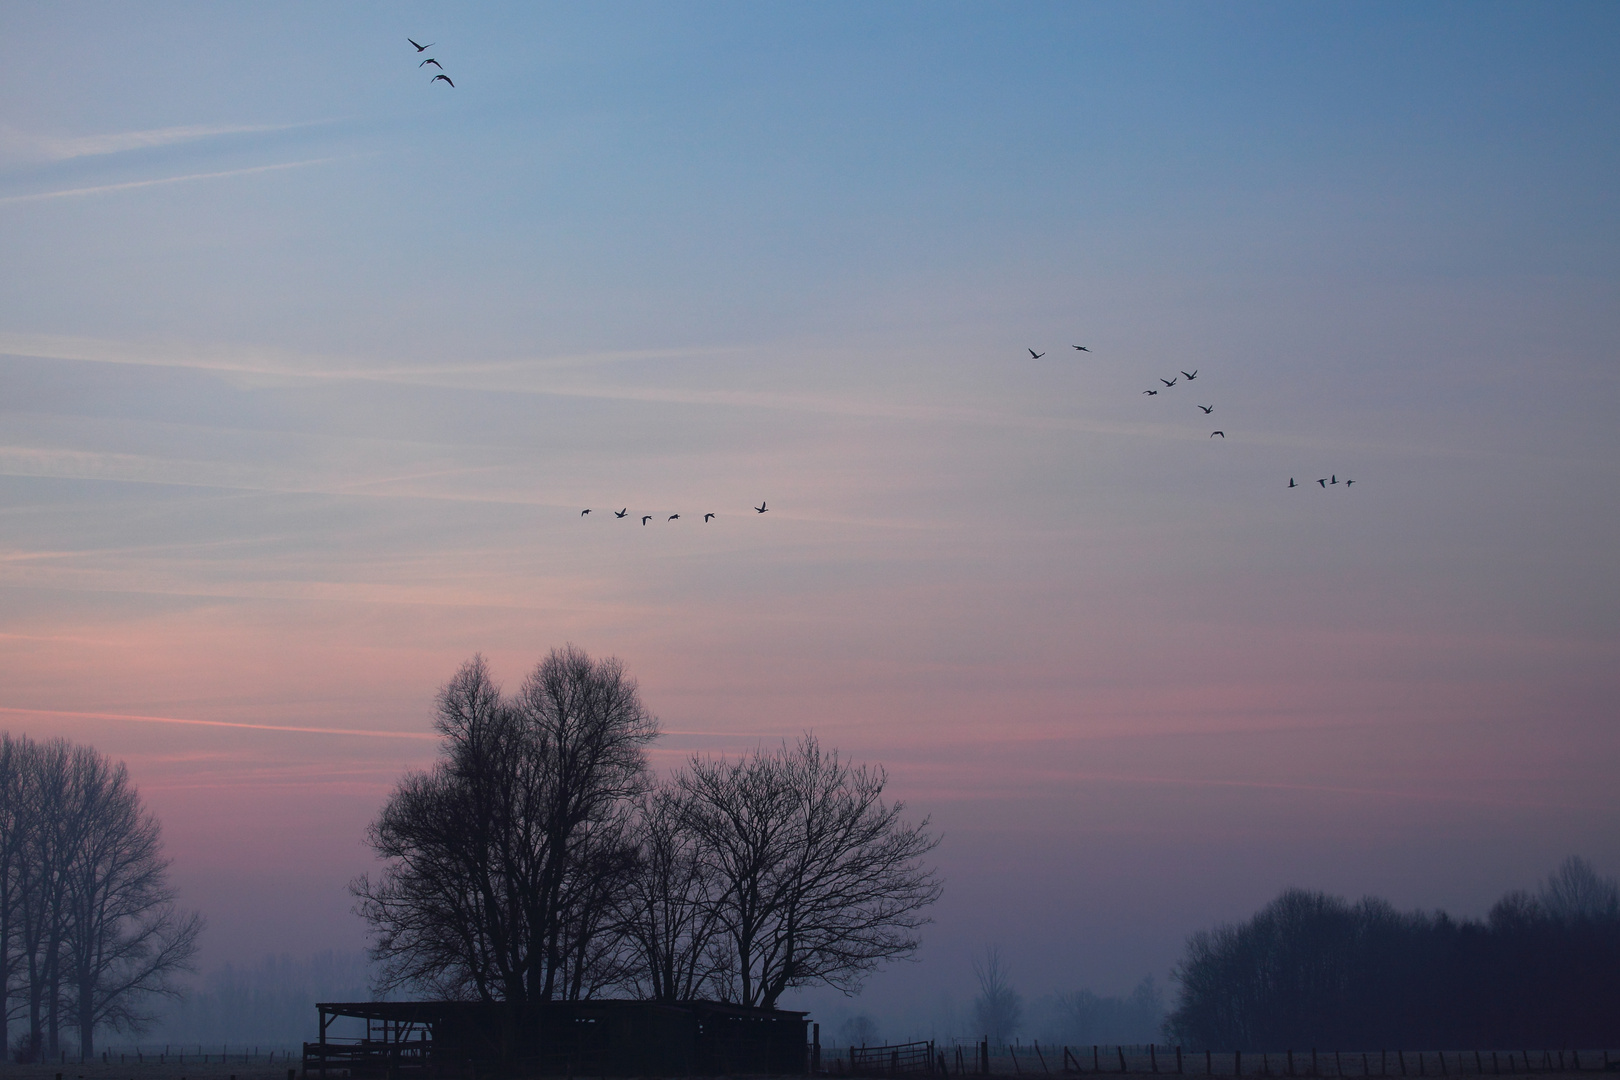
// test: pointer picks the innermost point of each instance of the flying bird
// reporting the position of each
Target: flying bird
(621, 513)
(646, 518)
(1291, 482)
(1347, 483)
(674, 517)
(1323, 482)
(582, 513)
(1207, 409)
(1036, 355)
(1222, 434)
(432, 61)
(1335, 479)
(706, 518)
(1082, 348)
(1191, 375)
(1168, 382)
(446, 78)
(1150, 392)
(760, 509)
(421, 48)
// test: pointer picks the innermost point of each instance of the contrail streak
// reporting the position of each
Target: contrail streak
(37, 196)
(424, 735)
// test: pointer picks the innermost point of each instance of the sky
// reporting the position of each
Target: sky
(308, 365)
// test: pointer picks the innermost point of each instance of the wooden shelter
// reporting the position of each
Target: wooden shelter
(427, 1039)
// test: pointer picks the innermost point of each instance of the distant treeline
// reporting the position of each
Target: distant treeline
(1542, 970)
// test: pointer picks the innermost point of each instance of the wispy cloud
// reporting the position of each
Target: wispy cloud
(52, 148)
(131, 184)
(139, 719)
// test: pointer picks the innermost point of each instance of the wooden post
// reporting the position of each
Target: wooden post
(1042, 1056)
(1237, 1063)
(1400, 1055)
(984, 1055)
(1290, 1063)
(1209, 1063)
(1153, 1058)
(1120, 1050)
(1178, 1061)
(1096, 1058)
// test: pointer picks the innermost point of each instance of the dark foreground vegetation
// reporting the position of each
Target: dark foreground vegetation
(540, 859)
(1541, 970)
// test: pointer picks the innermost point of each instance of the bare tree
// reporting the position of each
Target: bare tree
(1575, 892)
(89, 922)
(499, 858)
(999, 1009)
(820, 880)
(668, 912)
(124, 939)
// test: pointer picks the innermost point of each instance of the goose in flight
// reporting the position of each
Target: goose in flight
(1150, 393)
(621, 513)
(421, 48)
(760, 509)
(646, 518)
(432, 61)
(1035, 355)
(1291, 482)
(582, 513)
(1222, 434)
(1082, 348)
(1168, 382)
(1191, 375)
(1347, 483)
(706, 518)
(1323, 482)
(446, 78)
(1335, 479)
(1207, 409)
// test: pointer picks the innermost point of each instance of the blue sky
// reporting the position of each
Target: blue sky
(308, 364)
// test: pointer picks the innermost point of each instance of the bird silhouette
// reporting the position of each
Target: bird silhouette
(674, 517)
(646, 518)
(1323, 482)
(421, 48)
(1291, 482)
(1207, 409)
(760, 509)
(621, 513)
(1168, 382)
(1191, 375)
(582, 513)
(432, 61)
(706, 518)
(1036, 355)
(1335, 479)
(446, 78)
(1347, 483)
(1082, 348)
(1222, 434)
(1150, 393)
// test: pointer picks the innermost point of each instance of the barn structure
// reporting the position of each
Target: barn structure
(469, 1039)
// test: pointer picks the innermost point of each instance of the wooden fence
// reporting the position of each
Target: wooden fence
(1037, 1060)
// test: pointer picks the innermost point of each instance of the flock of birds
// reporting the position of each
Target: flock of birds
(1190, 377)
(760, 509)
(441, 76)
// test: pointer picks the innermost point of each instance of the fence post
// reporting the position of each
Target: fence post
(1290, 1063)
(1153, 1058)
(984, 1055)
(815, 1048)
(1096, 1058)
(1237, 1063)
(1178, 1061)
(1120, 1050)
